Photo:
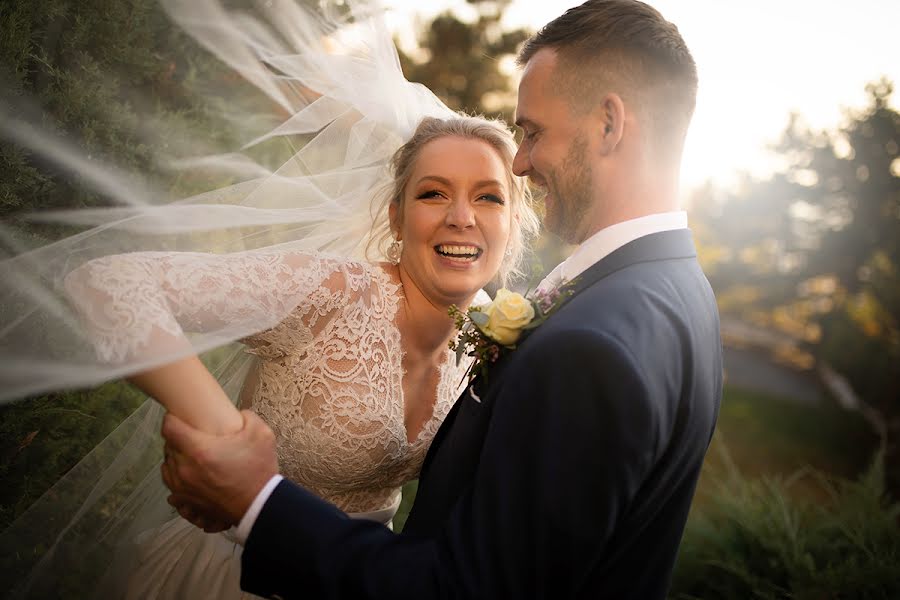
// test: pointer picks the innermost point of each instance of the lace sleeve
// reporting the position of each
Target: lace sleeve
(143, 303)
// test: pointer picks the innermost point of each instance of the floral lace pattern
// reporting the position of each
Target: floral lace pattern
(329, 378)
(330, 385)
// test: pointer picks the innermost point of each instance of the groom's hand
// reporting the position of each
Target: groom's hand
(213, 478)
(203, 516)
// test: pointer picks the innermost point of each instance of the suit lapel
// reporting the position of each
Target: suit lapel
(469, 405)
(446, 426)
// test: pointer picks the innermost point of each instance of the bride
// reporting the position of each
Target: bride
(357, 378)
(352, 369)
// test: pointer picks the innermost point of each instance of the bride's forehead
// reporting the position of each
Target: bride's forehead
(452, 154)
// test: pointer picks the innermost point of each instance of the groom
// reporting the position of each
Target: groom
(570, 473)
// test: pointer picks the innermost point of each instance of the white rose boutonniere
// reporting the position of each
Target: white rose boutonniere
(487, 331)
(507, 315)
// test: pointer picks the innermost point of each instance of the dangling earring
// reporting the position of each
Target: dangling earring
(394, 251)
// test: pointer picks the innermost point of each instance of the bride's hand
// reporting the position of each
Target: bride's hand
(216, 477)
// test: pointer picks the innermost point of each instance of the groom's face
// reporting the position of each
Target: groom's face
(554, 153)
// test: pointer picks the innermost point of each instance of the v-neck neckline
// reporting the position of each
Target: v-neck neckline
(445, 369)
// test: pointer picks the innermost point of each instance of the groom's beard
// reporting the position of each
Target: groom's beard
(569, 188)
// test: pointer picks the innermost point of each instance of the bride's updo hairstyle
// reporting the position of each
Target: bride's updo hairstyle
(524, 223)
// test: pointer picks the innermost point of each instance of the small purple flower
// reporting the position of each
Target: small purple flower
(493, 352)
(545, 299)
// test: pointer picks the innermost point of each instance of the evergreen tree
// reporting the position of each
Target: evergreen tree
(461, 62)
(114, 82)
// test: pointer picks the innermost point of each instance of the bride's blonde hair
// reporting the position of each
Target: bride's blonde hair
(524, 224)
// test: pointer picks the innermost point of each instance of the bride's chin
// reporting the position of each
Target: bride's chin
(460, 296)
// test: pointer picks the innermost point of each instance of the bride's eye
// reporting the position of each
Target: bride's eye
(492, 198)
(429, 194)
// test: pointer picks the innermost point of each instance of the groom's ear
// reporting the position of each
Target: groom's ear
(611, 122)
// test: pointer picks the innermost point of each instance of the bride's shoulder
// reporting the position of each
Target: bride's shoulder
(355, 275)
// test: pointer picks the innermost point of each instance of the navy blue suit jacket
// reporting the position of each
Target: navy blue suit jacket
(568, 475)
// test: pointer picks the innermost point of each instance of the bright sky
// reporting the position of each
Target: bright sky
(758, 61)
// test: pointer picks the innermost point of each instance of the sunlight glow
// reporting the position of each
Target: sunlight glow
(758, 62)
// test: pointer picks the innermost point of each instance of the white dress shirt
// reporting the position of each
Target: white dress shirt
(598, 246)
(243, 529)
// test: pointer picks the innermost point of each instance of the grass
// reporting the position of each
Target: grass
(43, 437)
(770, 436)
(756, 537)
(789, 505)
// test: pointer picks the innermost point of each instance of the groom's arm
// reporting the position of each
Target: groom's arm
(572, 437)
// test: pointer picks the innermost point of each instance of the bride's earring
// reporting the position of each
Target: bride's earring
(394, 251)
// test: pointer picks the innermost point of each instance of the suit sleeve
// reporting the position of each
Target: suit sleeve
(572, 437)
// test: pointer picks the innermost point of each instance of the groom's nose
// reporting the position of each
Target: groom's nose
(521, 163)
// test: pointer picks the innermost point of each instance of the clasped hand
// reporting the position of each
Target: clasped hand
(214, 478)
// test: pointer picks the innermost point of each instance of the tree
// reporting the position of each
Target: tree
(850, 182)
(116, 83)
(461, 62)
(817, 246)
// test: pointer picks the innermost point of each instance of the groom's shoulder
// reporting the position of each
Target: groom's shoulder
(638, 295)
(621, 315)
(588, 366)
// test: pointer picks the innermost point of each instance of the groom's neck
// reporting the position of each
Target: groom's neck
(631, 194)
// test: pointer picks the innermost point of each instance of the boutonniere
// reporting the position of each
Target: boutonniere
(488, 331)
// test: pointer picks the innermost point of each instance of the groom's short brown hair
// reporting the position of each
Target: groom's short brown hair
(626, 47)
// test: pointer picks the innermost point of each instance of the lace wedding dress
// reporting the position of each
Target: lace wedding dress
(328, 381)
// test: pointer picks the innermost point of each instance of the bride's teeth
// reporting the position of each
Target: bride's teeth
(463, 251)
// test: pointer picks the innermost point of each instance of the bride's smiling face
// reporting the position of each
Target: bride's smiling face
(455, 221)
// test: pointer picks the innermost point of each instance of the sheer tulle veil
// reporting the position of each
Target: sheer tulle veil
(334, 75)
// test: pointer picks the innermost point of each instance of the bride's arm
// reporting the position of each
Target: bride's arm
(137, 306)
(189, 391)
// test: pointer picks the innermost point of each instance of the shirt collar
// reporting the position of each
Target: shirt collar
(608, 240)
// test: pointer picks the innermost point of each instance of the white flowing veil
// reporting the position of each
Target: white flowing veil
(334, 76)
